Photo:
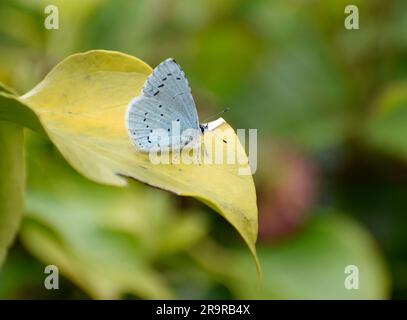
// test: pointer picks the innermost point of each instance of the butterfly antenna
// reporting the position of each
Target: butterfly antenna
(217, 114)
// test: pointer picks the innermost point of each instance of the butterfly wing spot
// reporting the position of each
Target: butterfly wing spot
(178, 78)
(165, 78)
(161, 85)
(162, 114)
(160, 106)
(157, 92)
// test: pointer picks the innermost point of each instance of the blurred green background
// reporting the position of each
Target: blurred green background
(330, 106)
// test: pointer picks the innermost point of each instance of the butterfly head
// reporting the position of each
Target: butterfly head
(203, 127)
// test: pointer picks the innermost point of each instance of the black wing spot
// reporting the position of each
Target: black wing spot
(169, 74)
(177, 120)
(146, 113)
(162, 114)
(168, 129)
(160, 106)
(178, 78)
(161, 85)
(151, 130)
(144, 120)
(157, 92)
(147, 126)
(165, 78)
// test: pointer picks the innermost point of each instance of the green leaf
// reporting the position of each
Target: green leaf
(387, 126)
(12, 183)
(81, 106)
(12, 110)
(310, 266)
(68, 225)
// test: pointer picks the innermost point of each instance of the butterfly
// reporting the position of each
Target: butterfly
(165, 105)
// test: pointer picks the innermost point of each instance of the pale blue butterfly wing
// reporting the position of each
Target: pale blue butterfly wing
(166, 97)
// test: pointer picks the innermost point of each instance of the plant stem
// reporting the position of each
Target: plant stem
(12, 183)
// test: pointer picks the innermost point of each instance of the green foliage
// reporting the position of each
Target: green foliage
(70, 226)
(146, 242)
(12, 183)
(325, 247)
(334, 98)
(386, 128)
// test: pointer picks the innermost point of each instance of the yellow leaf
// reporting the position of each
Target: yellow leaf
(81, 105)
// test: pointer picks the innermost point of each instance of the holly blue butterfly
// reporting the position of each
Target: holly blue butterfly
(165, 103)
